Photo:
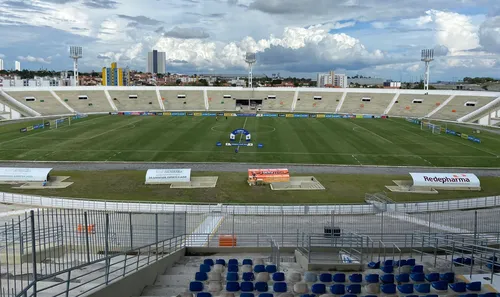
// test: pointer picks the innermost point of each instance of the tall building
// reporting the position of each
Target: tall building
(331, 79)
(156, 62)
(115, 76)
(17, 66)
(1, 64)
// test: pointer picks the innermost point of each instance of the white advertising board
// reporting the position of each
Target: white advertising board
(14, 174)
(167, 176)
(445, 180)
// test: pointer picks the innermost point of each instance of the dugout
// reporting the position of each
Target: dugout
(21, 175)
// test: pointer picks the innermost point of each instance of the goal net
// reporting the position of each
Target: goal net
(428, 126)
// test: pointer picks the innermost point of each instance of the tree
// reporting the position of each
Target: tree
(178, 82)
(203, 82)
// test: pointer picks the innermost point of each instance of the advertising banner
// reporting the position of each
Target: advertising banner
(159, 113)
(465, 136)
(167, 176)
(313, 115)
(22, 130)
(271, 115)
(246, 115)
(320, 116)
(178, 114)
(167, 113)
(209, 114)
(114, 113)
(220, 114)
(281, 115)
(359, 116)
(29, 128)
(229, 114)
(190, 114)
(269, 175)
(16, 174)
(445, 180)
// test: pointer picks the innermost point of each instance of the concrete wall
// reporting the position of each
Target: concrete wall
(133, 284)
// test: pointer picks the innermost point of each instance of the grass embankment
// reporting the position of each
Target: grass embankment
(232, 188)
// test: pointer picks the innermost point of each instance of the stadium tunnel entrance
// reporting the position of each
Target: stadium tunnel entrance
(249, 104)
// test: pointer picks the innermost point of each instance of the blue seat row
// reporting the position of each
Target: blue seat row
(210, 262)
(406, 277)
(246, 294)
(249, 276)
(336, 278)
(337, 289)
(393, 263)
(278, 287)
(235, 268)
(464, 261)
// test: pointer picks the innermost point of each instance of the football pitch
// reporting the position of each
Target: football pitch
(285, 140)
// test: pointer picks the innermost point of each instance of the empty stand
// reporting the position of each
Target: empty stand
(366, 103)
(226, 100)
(416, 105)
(318, 101)
(85, 101)
(460, 106)
(40, 101)
(135, 100)
(179, 100)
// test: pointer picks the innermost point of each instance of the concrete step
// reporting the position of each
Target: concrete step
(163, 290)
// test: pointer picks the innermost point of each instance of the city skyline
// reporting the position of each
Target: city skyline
(295, 38)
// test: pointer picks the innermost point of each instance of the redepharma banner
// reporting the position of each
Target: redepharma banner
(445, 180)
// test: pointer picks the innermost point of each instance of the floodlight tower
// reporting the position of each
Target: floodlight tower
(75, 53)
(250, 59)
(427, 58)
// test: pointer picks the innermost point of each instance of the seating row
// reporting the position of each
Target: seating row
(311, 277)
(394, 263)
(278, 287)
(235, 268)
(207, 294)
(222, 262)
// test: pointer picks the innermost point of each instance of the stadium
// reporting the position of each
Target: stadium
(385, 192)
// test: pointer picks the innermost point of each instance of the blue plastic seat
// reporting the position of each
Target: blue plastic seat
(350, 295)
(209, 262)
(354, 289)
(232, 268)
(410, 262)
(279, 287)
(411, 295)
(403, 278)
(493, 266)
(432, 277)
(356, 278)
(372, 278)
(308, 295)
(388, 288)
(387, 269)
(261, 287)
(310, 277)
(474, 286)
(337, 289)
(417, 277)
(201, 276)
(370, 296)
(221, 262)
(232, 286)
(246, 294)
(204, 268)
(468, 261)
(400, 263)
(248, 276)
(406, 288)
(325, 278)
(195, 286)
(388, 263)
(374, 265)
(232, 262)
(417, 269)
(387, 278)
(246, 287)
(259, 268)
(232, 277)
(431, 295)
(468, 295)
(278, 277)
(339, 278)
(271, 268)
(440, 285)
(448, 277)
(459, 287)
(203, 294)
(266, 295)
(423, 288)
(318, 289)
(247, 262)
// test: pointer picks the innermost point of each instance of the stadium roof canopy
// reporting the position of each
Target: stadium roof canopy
(14, 174)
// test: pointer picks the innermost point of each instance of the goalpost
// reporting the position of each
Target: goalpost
(65, 121)
(428, 126)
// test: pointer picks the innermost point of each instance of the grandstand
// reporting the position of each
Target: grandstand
(318, 101)
(367, 102)
(85, 101)
(41, 101)
(460, 106)
(416, 105)
(135, 100)
(183, 99)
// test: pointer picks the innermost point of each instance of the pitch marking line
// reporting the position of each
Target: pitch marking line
(368, 130)
(241, 135)
(119, 127)
(356, 159)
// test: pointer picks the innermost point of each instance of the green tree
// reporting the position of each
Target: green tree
(203, 82)
(178, 82)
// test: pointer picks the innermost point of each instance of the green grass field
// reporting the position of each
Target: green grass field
(286, 140)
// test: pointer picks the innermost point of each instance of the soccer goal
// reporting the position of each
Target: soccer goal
(428, 126)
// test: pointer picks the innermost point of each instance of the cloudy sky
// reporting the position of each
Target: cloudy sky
(293, 37)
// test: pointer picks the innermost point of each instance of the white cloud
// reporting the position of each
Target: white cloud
(379, 25)
(2, 56)
(489, 34)
(47, 60)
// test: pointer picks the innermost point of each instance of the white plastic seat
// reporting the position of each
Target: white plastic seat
(258, 261)
(294, 277)
(262, 277)
(372, 288)
(246, 268)
(214, 276)
(218, 268)
(301, 288)
(214, 287)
